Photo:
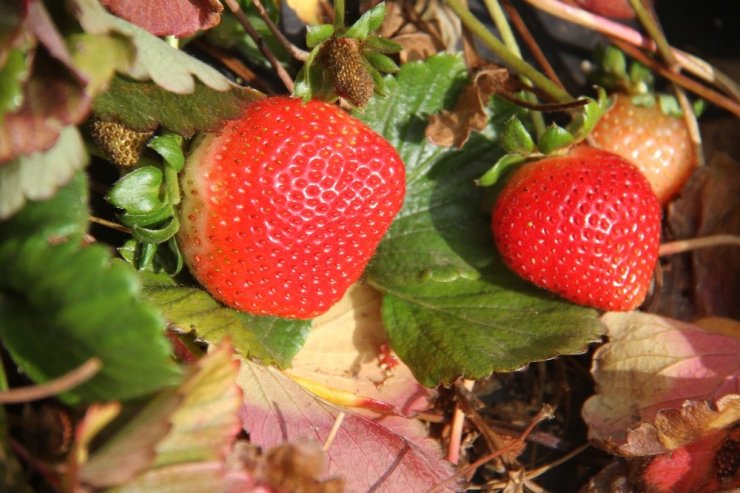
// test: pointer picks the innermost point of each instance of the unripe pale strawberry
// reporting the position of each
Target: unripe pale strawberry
(283, 208)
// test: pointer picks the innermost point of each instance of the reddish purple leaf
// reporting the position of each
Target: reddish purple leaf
(386, 453)
(178, 18)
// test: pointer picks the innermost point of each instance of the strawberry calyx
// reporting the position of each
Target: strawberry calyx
(347, 63)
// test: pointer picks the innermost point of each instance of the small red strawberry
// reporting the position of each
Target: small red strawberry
(658, 144)
(584, 225)
(283, 207)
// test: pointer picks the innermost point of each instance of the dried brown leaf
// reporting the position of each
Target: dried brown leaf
(450, 128)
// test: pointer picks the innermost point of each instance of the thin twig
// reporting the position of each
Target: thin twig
(53, 387)
(655, 33)
(232, 63)
(244, 21)
(333, 432)
(295, 52)
(683, 246)
(109, 224)
(532, 45)
(702, 91)
(509, 59)
(456, 429)
(544, 413)
(622, 32)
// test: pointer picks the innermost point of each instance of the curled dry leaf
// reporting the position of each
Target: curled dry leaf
(178, 18)
(449, 128)
(421, 28)
(653, 363)
(346, 355)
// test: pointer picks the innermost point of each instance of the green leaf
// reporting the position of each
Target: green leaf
(169, 68)
(472, 327)
(451, 306)
(315, 35)
(63, 304)
(515, 138)
(382, 62)
(38, 176)
(138, 192)
(272, 340)
(169, 146)
(61, 218)
(144, 105)
(99, 56)
(553, 138)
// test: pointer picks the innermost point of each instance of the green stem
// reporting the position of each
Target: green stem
(655, 32)
(338, 15)
(507, 57)
(507, 35)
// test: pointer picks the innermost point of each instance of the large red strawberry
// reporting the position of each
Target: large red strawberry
(656, 143)
(585, 225)
(283, 207)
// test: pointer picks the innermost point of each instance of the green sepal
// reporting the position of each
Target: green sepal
(381, 62)
(138, 254)
(646, 100)
(147, 219)
(515, 138)
(668, 104)
(641, 77)
(699, 106)
(169, 146)
(315, 35)
(380, 87)
(612, 61)
(138, 192)
(382, 45)
(156, 235)
(586, 119)
(310, 78)
(553, 138)
(369, 21)
(504, 164)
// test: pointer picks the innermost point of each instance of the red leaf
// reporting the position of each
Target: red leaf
(388, 453)
(178, 18)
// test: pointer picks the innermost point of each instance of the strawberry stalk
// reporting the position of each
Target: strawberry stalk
(683, 246)
(502, 24)
(511, 60)
(338, 15)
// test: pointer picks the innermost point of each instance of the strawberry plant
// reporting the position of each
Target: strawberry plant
(249, 245)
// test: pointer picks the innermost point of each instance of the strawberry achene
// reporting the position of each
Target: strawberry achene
(283, 208)
(584, 225)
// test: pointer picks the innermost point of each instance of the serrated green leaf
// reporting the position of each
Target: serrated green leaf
(169, 146)
(171, 69)
(553, 138)
(382, 62)
(269, 339)
(447, 292)
(315, 35)
(473, 327)
(99, 56)
(144, 105)
(39, 175)
(138, 192)
(515, 138)
(63, 304)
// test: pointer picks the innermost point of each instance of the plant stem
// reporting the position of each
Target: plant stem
(244, 21)
(655, 33)
(294, 51)
(683, 246)
(338, 15)
(502, 24)
(507, 57)
(51, 388)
